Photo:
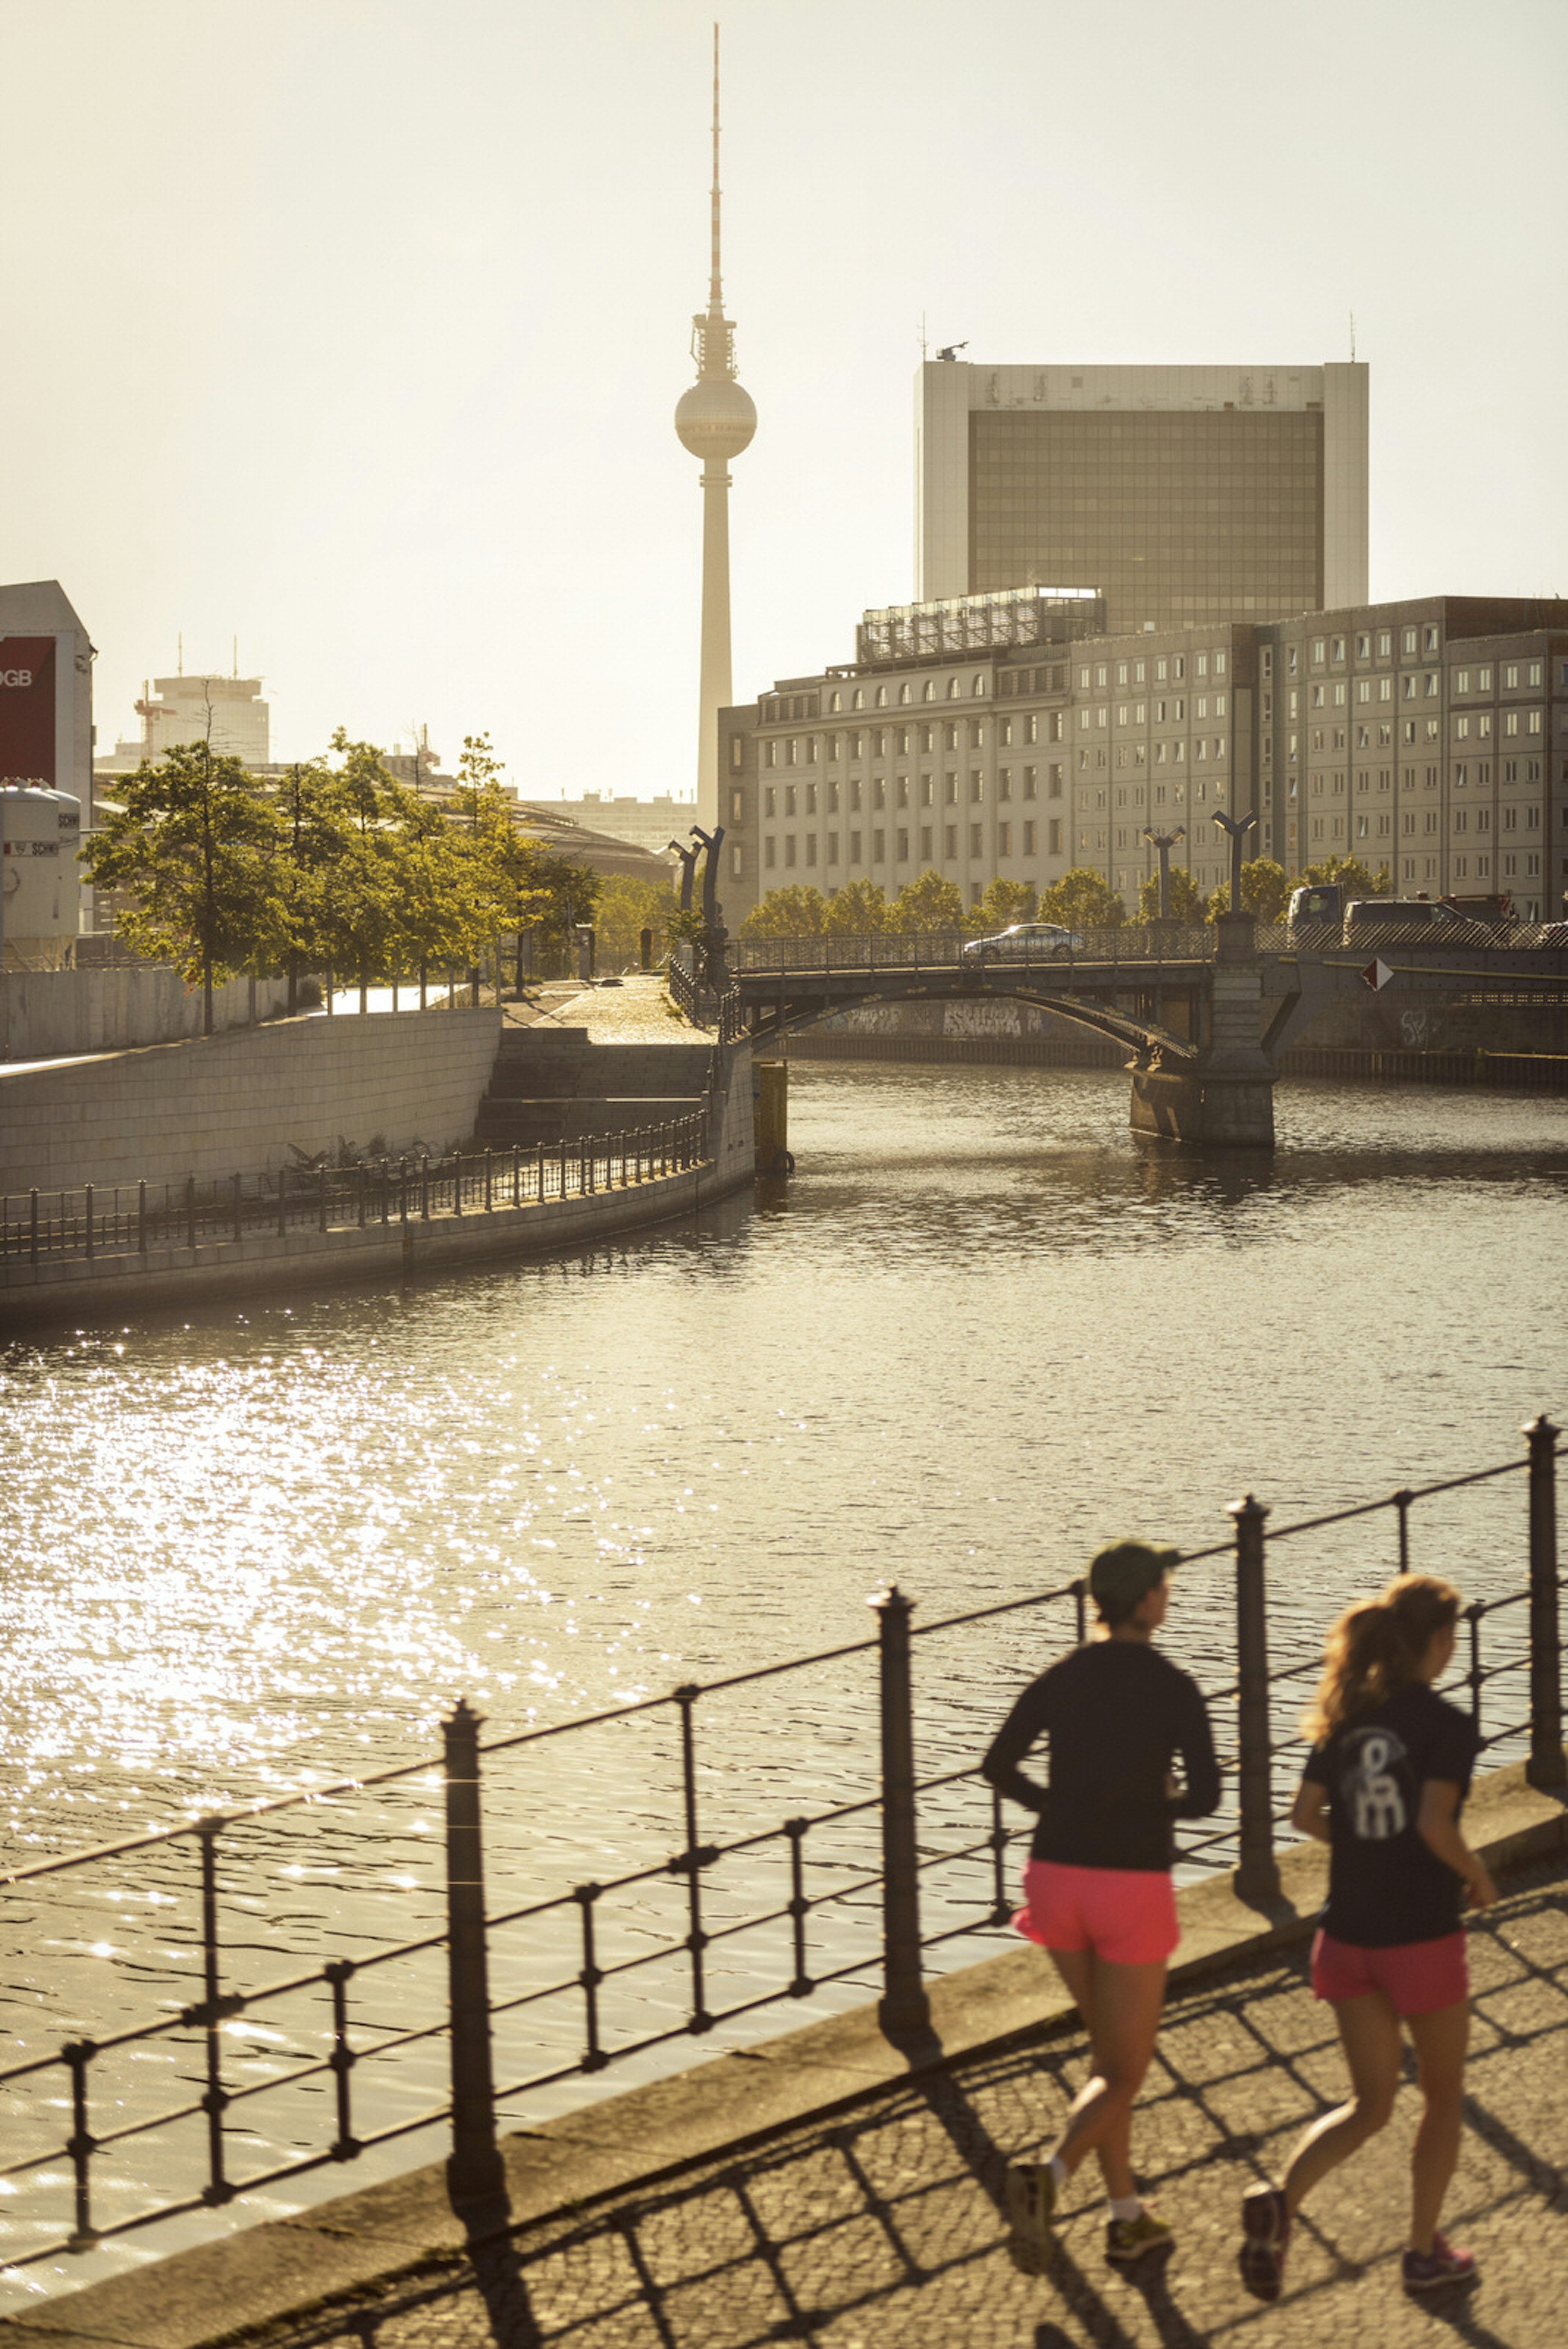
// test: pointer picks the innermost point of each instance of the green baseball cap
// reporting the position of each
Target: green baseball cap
(1127, 1571)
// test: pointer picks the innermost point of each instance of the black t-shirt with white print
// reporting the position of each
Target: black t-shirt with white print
(1385, 1884)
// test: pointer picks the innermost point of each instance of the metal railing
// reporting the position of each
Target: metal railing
(1141, 943)
(121, 1224)
(838, 1912)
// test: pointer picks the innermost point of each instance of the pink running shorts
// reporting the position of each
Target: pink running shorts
(1126, 1915)
(1417, 1977)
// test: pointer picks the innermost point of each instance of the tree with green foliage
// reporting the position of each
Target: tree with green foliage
(857, 910)
(570, 894)
(928, 904)
(197, 847)
(796, 912)
(1187, 902)
(1004, 902)
(1083, 900)
(307, 812)
(1265, 891)
(629, 906)
(1356, 879)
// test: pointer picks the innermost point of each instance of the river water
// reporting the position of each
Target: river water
(983, 1328)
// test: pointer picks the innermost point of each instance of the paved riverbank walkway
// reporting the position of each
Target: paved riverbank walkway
(637, 1012)
(882, 2231)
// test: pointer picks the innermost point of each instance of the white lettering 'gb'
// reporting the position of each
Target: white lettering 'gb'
(1376, 1800)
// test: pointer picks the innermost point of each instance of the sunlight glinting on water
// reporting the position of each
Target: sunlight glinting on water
(265, 1548)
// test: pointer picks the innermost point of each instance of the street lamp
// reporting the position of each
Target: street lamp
(1165, 842)
(1238, 827)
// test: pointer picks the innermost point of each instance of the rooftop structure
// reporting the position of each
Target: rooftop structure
(176, 709)
(1184, 494)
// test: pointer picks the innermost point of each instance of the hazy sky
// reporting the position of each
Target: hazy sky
(354, 328)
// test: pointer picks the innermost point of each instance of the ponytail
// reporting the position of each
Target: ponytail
(1376, 1648)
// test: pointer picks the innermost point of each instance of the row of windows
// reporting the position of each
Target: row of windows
(1095, 717)
(899, 741)
(923, 786)
(1032, 840)
(1171, 666)
(1160, 794)
(1415, 639)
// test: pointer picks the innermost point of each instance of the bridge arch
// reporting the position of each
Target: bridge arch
(1151, 1042)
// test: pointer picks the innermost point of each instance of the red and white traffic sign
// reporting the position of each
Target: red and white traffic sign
(1377, 974)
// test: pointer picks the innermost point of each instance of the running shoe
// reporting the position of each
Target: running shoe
(1031, 2207)
(1265, 2234)
(1127, 2241)
(1430, 2270)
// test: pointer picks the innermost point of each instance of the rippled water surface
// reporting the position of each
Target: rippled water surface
(983, 1329)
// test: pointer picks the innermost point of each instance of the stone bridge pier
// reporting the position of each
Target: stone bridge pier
(1224, 1096)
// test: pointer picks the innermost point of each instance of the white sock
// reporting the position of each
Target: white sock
(1126, 2207)
(1058, 2169)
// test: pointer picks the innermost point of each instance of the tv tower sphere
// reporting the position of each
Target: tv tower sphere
(715, 419)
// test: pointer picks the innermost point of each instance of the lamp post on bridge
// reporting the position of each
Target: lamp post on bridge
(1165, 842)
(1238, 827)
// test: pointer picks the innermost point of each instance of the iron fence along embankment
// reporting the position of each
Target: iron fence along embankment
(859, 1841)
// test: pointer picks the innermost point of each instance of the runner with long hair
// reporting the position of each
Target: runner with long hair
(1383, 1787)
(1116, 1714)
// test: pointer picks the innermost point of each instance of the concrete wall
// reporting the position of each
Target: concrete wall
(232, 1104)
(263, 1264)
(46, 1014)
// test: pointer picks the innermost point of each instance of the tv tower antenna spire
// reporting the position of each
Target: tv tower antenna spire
(715, 292)
(715, 421)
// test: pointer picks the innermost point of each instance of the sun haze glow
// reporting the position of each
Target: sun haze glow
(352, 328)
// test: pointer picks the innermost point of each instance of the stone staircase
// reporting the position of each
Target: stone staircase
(551, 1084)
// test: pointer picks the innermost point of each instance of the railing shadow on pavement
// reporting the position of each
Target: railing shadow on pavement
(895, 2208)
(529, 1994)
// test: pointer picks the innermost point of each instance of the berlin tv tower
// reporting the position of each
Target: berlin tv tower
(715, 419)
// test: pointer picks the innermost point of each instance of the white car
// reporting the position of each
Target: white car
(1027, 942)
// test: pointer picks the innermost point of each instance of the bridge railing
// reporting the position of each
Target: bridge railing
(1134, 943)
(894, 1847)
(115, 1225)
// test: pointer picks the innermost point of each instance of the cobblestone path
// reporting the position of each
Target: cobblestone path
(882, 2231)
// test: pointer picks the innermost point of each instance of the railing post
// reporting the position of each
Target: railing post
(1257, 1876)
(475, 2170)
(903, 2006)
(1546, 1765)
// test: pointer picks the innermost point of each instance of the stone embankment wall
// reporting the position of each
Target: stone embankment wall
(263, 1264)
(220, 1105)
(1021, 1035)
(46, 1014)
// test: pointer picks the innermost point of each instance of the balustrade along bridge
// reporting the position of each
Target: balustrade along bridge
(1206, 1010)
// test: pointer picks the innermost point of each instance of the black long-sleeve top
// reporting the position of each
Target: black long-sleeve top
(1116, 1714)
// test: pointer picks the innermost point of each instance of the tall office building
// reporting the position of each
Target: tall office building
(1185, 496)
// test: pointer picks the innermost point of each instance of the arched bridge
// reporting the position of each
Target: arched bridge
(1205, 1010)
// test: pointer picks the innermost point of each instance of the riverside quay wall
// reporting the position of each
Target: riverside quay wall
(65, 1254)
(212, 1106)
